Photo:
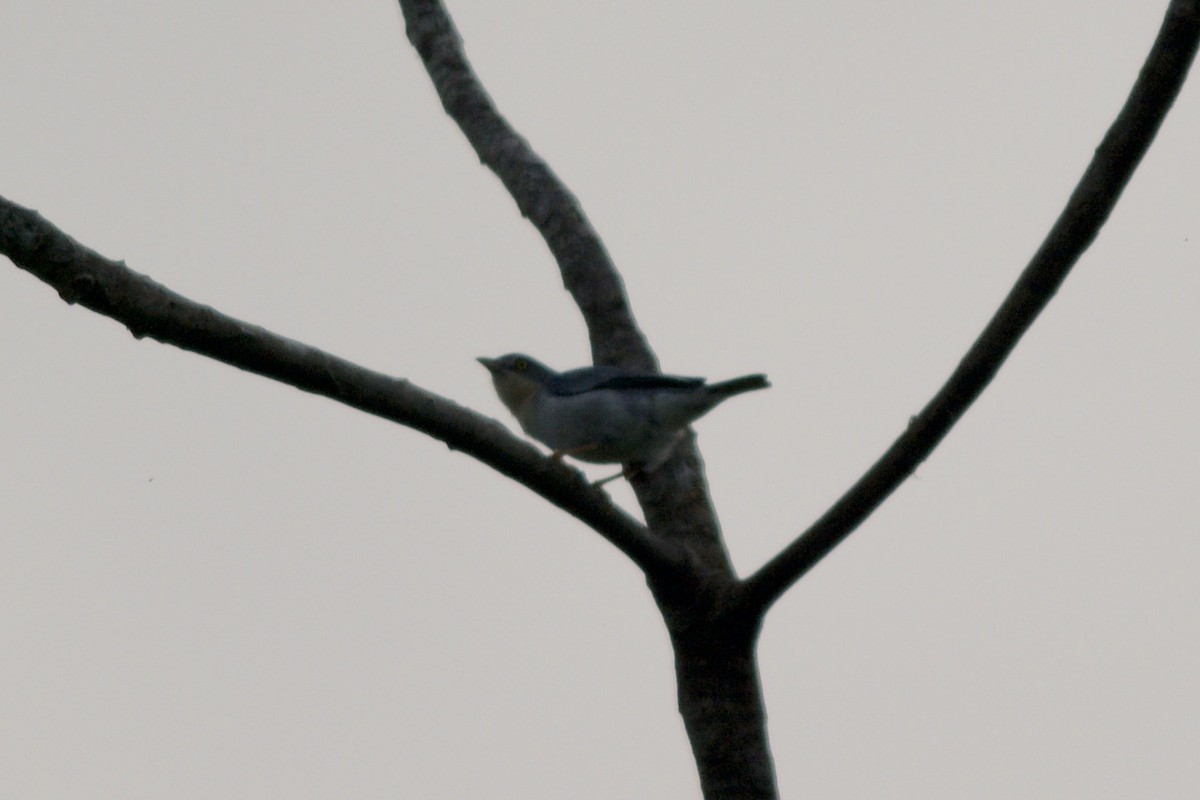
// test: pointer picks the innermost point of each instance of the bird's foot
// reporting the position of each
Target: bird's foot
(626, 472)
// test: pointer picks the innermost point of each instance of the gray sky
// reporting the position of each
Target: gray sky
(216, 586)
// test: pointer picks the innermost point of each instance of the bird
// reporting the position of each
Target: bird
(606, 414)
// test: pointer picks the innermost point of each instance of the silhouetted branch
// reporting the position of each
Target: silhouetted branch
(587, 271)
(1115, 160)
(720, 697)
(675, 497)
(147, 308)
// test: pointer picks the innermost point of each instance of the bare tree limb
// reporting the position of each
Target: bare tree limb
(1115, 160)
(147, 308)
(674, 498)
(720, 695)
(587, 271)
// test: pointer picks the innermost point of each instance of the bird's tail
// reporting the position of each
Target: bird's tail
(746, 383)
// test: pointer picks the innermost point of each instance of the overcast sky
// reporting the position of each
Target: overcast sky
(214, 586)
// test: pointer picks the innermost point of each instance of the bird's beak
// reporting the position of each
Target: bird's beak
(490, 363)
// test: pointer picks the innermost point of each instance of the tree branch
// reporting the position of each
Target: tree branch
(674, 498)
(587, 271)
(147, 308)
(1115, 160)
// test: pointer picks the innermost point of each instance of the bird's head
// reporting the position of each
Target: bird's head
(517, 378)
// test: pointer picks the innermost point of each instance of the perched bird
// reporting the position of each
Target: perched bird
(607, 415)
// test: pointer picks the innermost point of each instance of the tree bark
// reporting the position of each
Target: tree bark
(721, 702)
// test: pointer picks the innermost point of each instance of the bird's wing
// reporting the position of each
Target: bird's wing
(589, 379)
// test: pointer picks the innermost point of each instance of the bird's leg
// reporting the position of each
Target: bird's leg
(609, 479)
(627, 471)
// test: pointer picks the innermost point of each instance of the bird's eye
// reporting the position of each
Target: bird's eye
(521, 364)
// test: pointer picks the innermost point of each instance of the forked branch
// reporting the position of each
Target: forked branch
(675, 498)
